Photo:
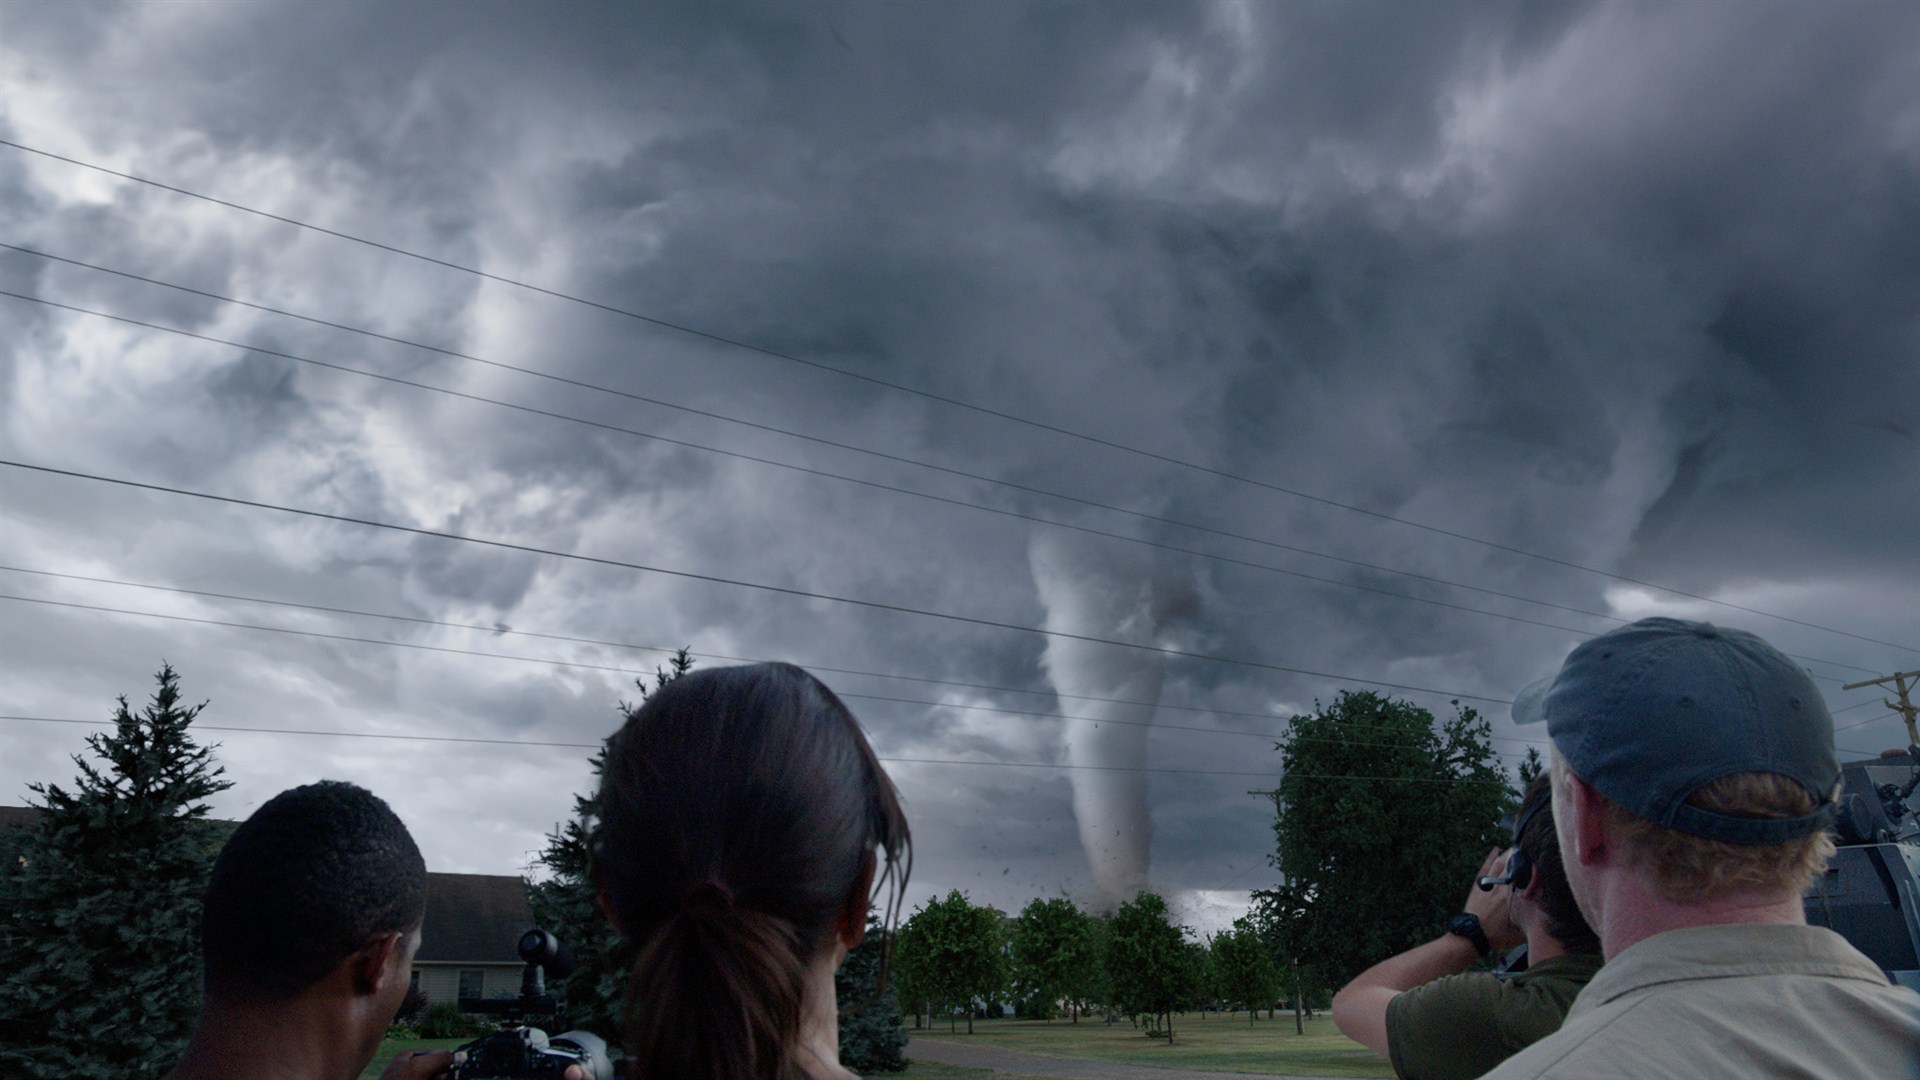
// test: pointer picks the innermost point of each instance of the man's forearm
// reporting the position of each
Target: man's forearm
(1448, 954)
(1360, 1008)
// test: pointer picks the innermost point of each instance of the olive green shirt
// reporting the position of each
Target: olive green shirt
(1459, 1027)
(1739, 1001)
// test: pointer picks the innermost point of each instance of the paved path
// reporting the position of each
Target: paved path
(1022, 1063)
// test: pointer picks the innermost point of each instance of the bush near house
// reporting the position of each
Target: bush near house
(444, 1020)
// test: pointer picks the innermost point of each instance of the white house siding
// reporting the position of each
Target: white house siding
(441, 982)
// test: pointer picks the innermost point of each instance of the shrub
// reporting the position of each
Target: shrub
(410, 1006)
(444, 1020)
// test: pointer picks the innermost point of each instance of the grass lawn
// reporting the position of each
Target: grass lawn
(390, 1047)
(1219, 1042)
(927, 1070)
(919, 1070)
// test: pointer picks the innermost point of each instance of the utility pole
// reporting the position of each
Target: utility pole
(1905, 707)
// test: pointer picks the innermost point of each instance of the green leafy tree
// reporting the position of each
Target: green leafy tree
(1053, 953)
(564, 902)
(952, 953)
(1206, 980)
(1381, 817)
(1087, 987)
(99, 929)
(909, 973)
(871, 1034)
(1150, 971)
(1245, 968)
(1280, 917)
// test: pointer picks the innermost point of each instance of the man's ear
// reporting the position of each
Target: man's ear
(1588, 810)
(377, 963)
(852, 924)
(1532, 892)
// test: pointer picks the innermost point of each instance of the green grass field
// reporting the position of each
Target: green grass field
(920, 1070)
(927, 1070)
(390, 1047)
(1217, 1043)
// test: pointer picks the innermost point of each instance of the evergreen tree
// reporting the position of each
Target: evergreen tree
(871, 1033)
(99, 931)
(564, 902)
(1530, 766)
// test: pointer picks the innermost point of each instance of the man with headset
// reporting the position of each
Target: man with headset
(1424, 1011)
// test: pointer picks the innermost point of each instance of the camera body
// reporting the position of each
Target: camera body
(521, 1052)
(527, 1052)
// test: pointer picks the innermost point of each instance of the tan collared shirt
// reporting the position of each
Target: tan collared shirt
(1714, 1002)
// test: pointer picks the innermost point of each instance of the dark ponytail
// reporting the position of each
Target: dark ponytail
(746, 963)
(740, 813)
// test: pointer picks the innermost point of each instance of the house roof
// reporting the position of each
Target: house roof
(474, 918)
(471, 918)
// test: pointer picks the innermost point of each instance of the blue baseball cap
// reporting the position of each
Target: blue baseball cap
(1650, 713)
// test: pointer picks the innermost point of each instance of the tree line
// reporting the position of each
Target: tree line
(1056, 960)
(1380, 813)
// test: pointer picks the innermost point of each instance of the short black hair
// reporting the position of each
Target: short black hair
(313, 876)
(1542, 844)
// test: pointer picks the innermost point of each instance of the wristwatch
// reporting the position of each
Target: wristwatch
(1467, 926)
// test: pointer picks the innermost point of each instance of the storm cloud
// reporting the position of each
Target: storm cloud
(1600, 297)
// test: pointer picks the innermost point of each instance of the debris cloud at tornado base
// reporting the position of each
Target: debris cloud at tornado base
(1093, 591)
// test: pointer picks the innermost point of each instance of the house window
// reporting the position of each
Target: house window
(472, 983)
(413, 979)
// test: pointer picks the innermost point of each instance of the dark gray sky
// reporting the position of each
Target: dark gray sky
(1629, 286)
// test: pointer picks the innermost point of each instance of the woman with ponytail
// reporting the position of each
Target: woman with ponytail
(743, 820)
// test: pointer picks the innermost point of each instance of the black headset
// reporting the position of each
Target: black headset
(1519, 864)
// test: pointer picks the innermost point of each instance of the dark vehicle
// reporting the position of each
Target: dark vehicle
(520, 1052)
(1870, 894)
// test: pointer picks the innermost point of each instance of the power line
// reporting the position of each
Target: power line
(890, 760)
(783, 590)
(497, 630)
(943, 399)
(595, 746)
(1276, 737)
(810, 471)
(662, 649)
(859, 481)
(1859, 723)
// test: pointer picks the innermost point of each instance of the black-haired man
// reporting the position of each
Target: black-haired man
(1694, 779)
(311, 922)
(1423, 1010)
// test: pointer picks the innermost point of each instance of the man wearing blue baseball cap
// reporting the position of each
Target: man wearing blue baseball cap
(1694, 779)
